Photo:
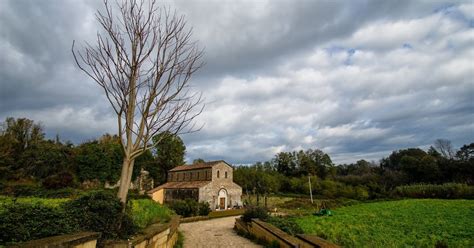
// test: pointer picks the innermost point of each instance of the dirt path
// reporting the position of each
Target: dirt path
(213, 233)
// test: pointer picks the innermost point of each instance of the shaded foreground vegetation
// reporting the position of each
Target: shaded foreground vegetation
(23, 219)
(404, 223)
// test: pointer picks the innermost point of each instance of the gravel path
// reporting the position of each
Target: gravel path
(213, 233)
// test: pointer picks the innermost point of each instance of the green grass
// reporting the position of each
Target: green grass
(146, 212)
(405, 223)
(51, 202)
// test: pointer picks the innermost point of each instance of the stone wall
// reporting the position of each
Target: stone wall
(264, 231)
(76, 240)
(154, 236)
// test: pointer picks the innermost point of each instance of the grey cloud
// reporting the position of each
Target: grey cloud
(279, 75)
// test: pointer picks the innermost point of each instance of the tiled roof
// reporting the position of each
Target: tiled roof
(197, 166)
(180, 185)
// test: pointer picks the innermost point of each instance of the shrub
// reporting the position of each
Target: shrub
(288, 225)
(146, 212)
(21, 190)
(101, 211)
(28, 221)
(189, 207)
(185, 208)
(59, 181)
(203, 208)
(443, 191)
(255, 213)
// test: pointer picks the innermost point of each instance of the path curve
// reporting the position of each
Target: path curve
(214, 233)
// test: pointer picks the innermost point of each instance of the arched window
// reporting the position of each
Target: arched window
(226, 174)
(217, 174)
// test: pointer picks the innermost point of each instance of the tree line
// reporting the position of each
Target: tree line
(27, 156)
(289, 172)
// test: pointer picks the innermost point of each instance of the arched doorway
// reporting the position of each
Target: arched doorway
(222, 199)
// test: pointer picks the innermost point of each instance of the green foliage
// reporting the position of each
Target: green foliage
(199, 161)
(258, 178)
(59, 181)
(203, 208)
(27, 190)
(406, 223)
(286, 224)
(169, 153)
(146, 212)
(254, 212)
(443, 191)
(100, 160)
(189, 207)
(101, 211)
(180, 241)
(309, 162)
(27, 220)
(45, 158)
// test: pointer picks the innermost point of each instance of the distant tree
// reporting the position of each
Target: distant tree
(169, 153)
(100, 159)
(445, 148)
(199, 161)
(424, 169)
(7, 152)
(285, 163)
(466, 153)
(22, 133)
(393, 161)
(45, 158)
(433, 152)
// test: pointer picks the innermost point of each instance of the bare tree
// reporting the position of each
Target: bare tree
(444, 147)
(143, 60)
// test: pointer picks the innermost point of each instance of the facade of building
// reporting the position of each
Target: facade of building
(210, 182)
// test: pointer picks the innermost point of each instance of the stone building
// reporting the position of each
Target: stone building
(211, 182)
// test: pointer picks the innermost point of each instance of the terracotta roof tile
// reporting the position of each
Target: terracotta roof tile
(197, 166)
(180, 185)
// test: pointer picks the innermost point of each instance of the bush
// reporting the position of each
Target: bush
(185, 208)
(255, 213)
(203, 208)
(189, 207)
(59, 181)
(101, 211)
(28, 221)
(21, 190)
(146, 212)
(288, 225)
(443, 191)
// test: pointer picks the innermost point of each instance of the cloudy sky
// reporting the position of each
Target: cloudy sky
(356, 79)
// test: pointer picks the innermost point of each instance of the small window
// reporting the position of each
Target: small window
(226, 174)
(217, 174)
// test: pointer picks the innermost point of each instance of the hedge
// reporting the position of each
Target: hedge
(443, 191)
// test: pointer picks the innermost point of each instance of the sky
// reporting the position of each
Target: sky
(356, 79)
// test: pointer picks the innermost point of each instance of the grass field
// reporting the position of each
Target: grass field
(404, 223)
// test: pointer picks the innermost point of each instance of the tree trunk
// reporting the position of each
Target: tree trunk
(125, 179)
